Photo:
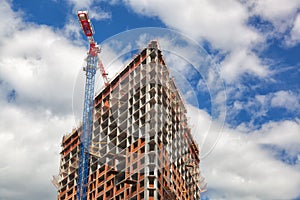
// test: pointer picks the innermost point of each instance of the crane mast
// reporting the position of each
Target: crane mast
(93, 62)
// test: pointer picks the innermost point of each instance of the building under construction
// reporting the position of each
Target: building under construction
(141, 146)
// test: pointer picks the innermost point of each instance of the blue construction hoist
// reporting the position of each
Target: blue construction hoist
(93, 62)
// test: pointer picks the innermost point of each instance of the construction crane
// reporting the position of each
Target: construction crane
(93, 62)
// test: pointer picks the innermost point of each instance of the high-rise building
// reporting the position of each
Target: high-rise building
(141, 146)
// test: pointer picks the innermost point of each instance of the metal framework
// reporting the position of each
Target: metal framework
(87, 128)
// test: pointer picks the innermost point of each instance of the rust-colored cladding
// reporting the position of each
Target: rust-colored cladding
(141, 145)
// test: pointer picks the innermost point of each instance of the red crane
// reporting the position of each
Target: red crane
(93, 60)
(94, 50)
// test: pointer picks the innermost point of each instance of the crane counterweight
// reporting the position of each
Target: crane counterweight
(86, 24)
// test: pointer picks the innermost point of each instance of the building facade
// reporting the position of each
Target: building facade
(141, 146)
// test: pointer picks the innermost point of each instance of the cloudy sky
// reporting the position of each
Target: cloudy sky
(235, 61)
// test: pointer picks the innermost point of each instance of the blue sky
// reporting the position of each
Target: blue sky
(249, 87)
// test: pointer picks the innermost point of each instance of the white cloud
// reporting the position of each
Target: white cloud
(11, 22)
(224, 25)
(36, 63)
(72, 30)
(240, 168)
(279, 13)
(282, 99)
(40, 65)
(283, 17)
(203, 19)
(80, 5)
(286, 99)
(95, 12)
(294, 36)
(285, 134)
(29, 142)
(260, 105)
(241, 61)
(201, 125)
(98, 14)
